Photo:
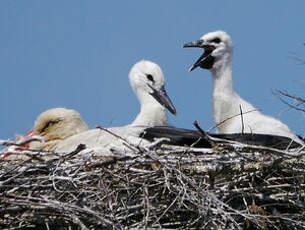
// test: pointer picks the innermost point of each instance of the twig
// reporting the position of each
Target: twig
(129, 193)
(205, 136)
(22, 141)
(78, 149)
(157, 143)
(242, 120)
(298, 99)
(129, 145)
(229, 118)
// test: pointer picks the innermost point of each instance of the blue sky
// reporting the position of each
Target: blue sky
(77, 54)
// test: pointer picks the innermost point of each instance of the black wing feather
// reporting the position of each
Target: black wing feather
(187, 137)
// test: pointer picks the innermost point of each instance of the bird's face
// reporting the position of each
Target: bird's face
(58, 123)
(147, 80)
(49, 126)
(217, 47)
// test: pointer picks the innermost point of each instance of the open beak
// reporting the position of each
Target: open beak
(206, 60)
(162, 97)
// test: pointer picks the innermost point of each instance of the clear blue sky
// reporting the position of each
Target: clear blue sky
(77, 54)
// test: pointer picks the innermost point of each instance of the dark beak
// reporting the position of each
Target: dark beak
(162, 97)
(206, 60)
(198, 44)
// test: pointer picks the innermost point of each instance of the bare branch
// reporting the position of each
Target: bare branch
(242, 120)
(298, 100)
(229, 186)
(204, 134)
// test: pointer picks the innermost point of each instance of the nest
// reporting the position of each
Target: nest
(229, 186)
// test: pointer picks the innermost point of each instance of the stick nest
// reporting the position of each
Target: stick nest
(231, 186)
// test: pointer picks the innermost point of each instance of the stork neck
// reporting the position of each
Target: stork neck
(222, 77)
(151, 114)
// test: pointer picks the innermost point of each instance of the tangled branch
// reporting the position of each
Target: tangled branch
(297, 103)
(229, 186)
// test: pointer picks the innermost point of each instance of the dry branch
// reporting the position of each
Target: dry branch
(230, 186)
(297, 102)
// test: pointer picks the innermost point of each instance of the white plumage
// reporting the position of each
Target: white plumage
(54, 126)
(57, 124)
(227, 104)
(147, 81)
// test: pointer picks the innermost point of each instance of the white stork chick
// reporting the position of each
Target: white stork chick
(227, 104)
(57, 124)
(148, 83)
(53, 125)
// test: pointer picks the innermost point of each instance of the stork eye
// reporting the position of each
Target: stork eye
(216, 40)
(50, 123)
(150, 77)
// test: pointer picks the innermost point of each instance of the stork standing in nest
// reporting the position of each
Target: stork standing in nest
(232, 114)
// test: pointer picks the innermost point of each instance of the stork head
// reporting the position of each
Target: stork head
(59, 123)
(147, 81)
(218, 49)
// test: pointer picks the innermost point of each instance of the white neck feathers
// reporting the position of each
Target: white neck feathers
(151, 114)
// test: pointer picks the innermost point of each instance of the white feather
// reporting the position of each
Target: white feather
(227, 104)
(152, 113)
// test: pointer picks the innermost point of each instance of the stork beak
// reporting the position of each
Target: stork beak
(31, 133)
(162, 97)
(206, 60)
(198, 44)
(32, 136)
